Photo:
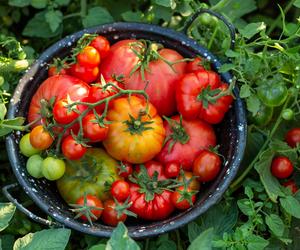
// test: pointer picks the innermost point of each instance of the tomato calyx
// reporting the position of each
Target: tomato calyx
(179, 133)
(59, 64)
(185, 191)
(122, 208)
(136, 125)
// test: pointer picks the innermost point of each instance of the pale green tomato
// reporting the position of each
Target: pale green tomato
(26, 148)
(53, 168)
(34, 166)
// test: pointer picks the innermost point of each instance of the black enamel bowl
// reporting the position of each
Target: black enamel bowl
(231, 134)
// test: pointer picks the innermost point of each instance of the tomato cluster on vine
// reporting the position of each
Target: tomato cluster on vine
(126, 129)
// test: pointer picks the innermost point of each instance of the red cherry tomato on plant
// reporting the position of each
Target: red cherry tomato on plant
(120, 190)
(196, 64)
(101, 44)
(207, 166)
(172, 169)
(110, 214)
(282, 167)
(291, 185)
(61, 113)
(292, 137)
(125, 169)
(91, 201)
(40, 138)
(183, 199)
(71, 149)
(92, 129)
(86, 74)
(88, 57)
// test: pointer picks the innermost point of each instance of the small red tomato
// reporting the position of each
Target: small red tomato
(185, 196)
(292, 137)
(91, 201)
(125, 169)
(61, 114)
(194, 184)
(110, 214)
(172, 169)
(71, 149)
(52, 71)
(207, 166)
(88, 57)
(120, 190)
(40, 138)
(86, 74)
(101, 44)
(92, 129)
(194, 65)
(291, 185)
(282, 167)
(152, 167)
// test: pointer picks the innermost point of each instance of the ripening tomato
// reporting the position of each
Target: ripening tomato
(53, 70)
(120, 190)
(189, 138)
(282, 167)
(110, 214)
(172, 169)
(88, 57)
(194, 184)
(40, 138)
(101, 44)
(125, 169)
(25, 146)
(86, 74)
(92, 130)
(135, 134)
(91, 201)
(196, 64)
(291, 184)
(158, 73)
(72, 149)
(62, 114)
(207, 166)
(292, 137)
(180, 200)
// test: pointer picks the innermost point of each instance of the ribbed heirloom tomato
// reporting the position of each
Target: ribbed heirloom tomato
(135, 134)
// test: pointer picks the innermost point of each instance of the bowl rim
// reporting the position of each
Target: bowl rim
(190, 214)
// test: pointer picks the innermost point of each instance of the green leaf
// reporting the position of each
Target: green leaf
(39, 4)
(166, 245)
(245, 91)
(98, 247)
(96, 16)
(193, 231)
(276, 224)
(19, 3)
(246, 207)
(50, 239)
(203, 241)
(291, 205)
(253, 104)
(297, 3)
(18, 121)
(249, 192)
(256, 242)
(39, 27)
(7, 241)
(231, 53)
(120, 239)
(270, 183)
(7, 211)
(3, 111)
(54, 18)
(132, 16)
(62, 2)
(252, 29)
(166, 3)
(283, 148)
(226, 67)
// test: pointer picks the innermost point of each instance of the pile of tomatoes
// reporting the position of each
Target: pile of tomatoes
(126, 129)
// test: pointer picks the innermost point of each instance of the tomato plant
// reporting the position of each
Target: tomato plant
(63, 113)
(291, 184)
(183, 198)
(72, 149)
(113, 213)
(272, 96)
(93, 128)
(282, 167)
(89, 208)
(292, 137)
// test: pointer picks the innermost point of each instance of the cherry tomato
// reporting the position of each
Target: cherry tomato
(272, 95)
(110, 214)
(194, 65)
(152, 167)
(101, 44)
(183, 204)
(291, 185)
(91, 201)
(194, 184)
(88, 57)
(263, 116)
(92, 130)
(25, 146)
(207, 166)
(120, 190)
(125, 169)
(86, 74)
(34, 166)
(62, 114)
(282, 167)
(71, 149)
(53, 70)
(288, 114)
(172, 169)
(292, 137)
(53, 168)
(40, 138)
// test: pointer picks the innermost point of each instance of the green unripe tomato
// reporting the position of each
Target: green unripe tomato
(206, 19)
(34, 166)
(263, 116)
(26, 148)
(272, 96)
(53, 168)
(287, 114)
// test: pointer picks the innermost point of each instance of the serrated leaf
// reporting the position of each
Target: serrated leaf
(256, 242)
(252, 29)
(96, 16)
(7, 211)
(3, 111)
(226, 67)
(291, 205)
(253, 104)
(231, 53)
(249, 192)
(245, 91)
(18, 121)
(120, 239)
(203, 241)
(271, 184)
(276, 224)
(98, 247)
(246, 207)
(19, 3)
(39, 4)
(132, 16)
(50, 239)
(297, 3)
(54, 18)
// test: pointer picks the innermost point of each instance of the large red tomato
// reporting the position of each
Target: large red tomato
(188, 139)
(58, 86)
(159, 77)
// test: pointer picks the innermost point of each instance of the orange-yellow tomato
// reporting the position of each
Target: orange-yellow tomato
(136, 134)
(40, 138)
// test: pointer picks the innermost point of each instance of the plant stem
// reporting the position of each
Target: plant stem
(72, 15)
(179, 246)
(220, 5)
(213, 37)
(147, 244)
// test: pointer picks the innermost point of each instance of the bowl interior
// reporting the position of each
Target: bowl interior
(231, 133)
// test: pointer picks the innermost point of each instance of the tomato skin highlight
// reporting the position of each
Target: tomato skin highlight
(91, 201)
(172, 169)
(40, 138)
(92, 130)
(101, 44)
(110, 215)
(120, 190)
(292, 137)
(71, 149)
(88, 57)
(281, 167)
